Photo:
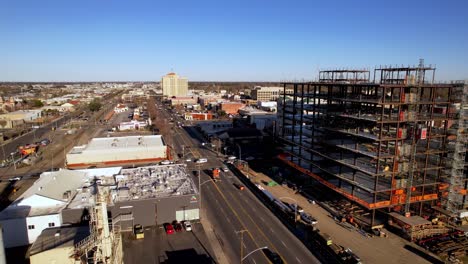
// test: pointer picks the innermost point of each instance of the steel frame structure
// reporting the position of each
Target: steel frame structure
(359, 138)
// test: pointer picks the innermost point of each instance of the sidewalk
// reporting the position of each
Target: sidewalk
(214, 242)
(370, 250)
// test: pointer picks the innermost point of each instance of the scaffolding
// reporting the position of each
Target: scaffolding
(381, 144)
(104, 244)
(455, 196)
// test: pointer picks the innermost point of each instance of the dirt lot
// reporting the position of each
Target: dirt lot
(371, 250)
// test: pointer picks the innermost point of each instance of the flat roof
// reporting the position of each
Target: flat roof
(117, 143)
(58, 237)
(158, 181)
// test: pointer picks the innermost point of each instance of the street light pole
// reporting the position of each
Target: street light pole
(200, 191)
(295, 207)
(253, 252)
(241, 242)
(240, 151)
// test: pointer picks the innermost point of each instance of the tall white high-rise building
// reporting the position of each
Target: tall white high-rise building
(174, 85)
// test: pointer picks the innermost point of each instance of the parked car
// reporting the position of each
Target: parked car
(188, 226)
(165, 162)
(45, 142)
(225, 169)
(293, 207)
(15, 178)
(308, 219)
(169, 229)
(201, 160)
(178, 227)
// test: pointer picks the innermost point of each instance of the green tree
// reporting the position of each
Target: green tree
(221, 113)
(36, 103)
(95, 105)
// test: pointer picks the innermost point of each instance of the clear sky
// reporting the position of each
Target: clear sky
(254, 40)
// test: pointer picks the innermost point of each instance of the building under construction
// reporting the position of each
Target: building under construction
(396, 143)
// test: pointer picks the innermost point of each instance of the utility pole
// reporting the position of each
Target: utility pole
(241, 242)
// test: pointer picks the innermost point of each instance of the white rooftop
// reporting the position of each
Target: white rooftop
(116, 143)
(154, 182)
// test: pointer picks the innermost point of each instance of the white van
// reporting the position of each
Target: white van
(201, 160)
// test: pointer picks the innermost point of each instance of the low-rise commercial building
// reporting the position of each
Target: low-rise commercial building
(183, 100)
(14, 119)
(151, 195)
(198, 116)
(39, 207)
(209, 128)
(266, 94)
(55, 244)
(231, 107)
(133, 125)
(118, 151)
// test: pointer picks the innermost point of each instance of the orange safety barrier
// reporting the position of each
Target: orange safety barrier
(333, 187)
(443, 186)
(397, 199)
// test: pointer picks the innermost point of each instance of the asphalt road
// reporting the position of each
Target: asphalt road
(32, 136)
(235, 213)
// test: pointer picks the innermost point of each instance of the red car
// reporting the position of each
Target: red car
(169, 229)
(178, 227)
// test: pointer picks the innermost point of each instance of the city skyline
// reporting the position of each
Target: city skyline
(241, 41)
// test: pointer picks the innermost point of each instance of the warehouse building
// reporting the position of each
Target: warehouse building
(39, 207)
(151, 195)
(118, 151)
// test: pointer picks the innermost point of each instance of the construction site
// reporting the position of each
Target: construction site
(394, 147)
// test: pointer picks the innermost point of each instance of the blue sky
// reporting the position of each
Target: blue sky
(218, 40)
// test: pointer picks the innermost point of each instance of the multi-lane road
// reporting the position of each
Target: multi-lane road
(238, 217)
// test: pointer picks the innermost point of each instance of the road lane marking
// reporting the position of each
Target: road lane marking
(298, 260)
(283, 243)
(239, 219)
(248, 215)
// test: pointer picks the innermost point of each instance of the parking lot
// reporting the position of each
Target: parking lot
(159, 247)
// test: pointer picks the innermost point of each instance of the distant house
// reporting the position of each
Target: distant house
(120, 108)
(67, 107)
(74, 102)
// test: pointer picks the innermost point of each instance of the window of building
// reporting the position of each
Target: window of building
(31, 227)
(51, 224)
